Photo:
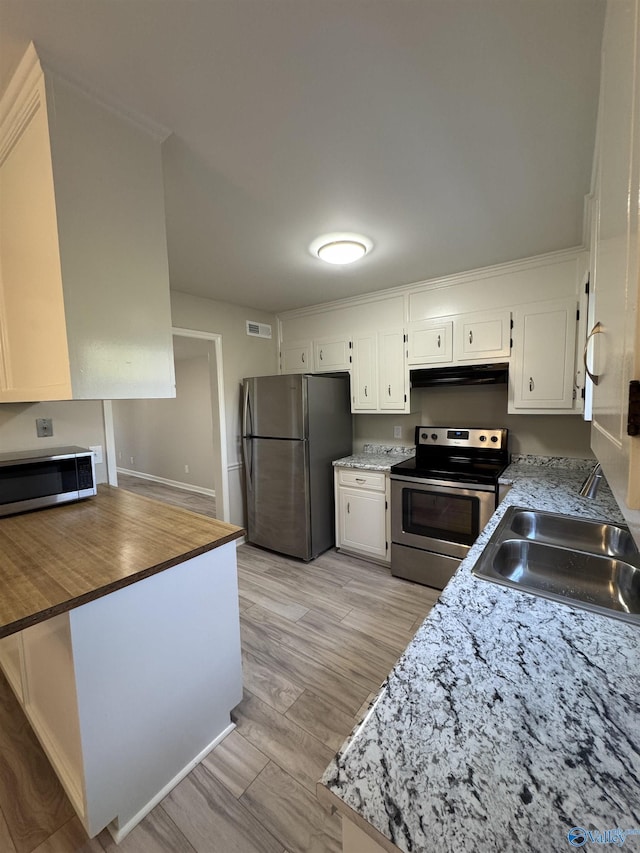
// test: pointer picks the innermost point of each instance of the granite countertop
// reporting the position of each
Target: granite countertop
(509, 719)
(58, 558)
(376, 457)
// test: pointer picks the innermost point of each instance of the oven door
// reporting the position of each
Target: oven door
(436, 516)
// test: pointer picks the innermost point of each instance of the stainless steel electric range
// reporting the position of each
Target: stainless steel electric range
(442, 498)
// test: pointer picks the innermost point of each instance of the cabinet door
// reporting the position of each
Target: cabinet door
(392, 370)
(331, 354)
(430, 342)
(615, 350)
(483, 335)
(34, 363)
(364, 386)
(295, 357)
(362, 521)
(544, 360)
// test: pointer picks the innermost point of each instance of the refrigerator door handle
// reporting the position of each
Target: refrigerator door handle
(246, 412)
(246, 420)
(248, 462)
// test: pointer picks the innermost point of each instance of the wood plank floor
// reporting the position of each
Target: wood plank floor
(318, 639)
(196, 502)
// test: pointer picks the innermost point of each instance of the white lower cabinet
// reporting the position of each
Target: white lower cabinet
(362, 512)
(543, 375)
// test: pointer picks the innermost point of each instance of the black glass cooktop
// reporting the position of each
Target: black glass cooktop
(459, 469)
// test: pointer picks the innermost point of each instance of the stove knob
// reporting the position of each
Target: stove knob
(483, 438)
(494, 438)
(434, 436)
(424, 435)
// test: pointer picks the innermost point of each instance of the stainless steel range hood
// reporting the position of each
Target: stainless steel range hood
(464, 374)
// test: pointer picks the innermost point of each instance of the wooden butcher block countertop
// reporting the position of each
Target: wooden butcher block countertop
(58, 558)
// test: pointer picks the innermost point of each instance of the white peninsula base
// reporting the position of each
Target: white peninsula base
(128, 692)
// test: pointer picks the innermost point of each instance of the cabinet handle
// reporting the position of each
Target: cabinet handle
(321, 355)
(389, 390)
(532, 384)
(365, 391)
(597, 330)
(438, 341)
(303, 358)
(471, 336)
(360, 480)
(348, 507)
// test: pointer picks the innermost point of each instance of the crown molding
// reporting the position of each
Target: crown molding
(20, 89)
(149, 126)
(29, 72)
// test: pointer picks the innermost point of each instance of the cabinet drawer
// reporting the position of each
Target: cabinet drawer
(359, 478)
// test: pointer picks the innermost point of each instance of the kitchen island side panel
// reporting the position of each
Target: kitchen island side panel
(158, 670)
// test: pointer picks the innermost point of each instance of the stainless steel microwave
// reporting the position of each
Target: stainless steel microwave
(30, 479)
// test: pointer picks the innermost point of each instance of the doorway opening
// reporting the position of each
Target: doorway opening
(175, 449)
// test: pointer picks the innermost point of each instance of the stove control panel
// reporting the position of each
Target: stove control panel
(495, 439)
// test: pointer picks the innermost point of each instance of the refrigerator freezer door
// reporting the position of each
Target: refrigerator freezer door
(275, 406)
(278, 496)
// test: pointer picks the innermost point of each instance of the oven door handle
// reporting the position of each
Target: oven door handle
(445, 487)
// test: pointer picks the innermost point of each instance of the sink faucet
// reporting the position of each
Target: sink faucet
(589, 488)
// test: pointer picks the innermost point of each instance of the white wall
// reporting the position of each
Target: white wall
(541, 435)
(80, 422)
(242, 356)
(165, 435)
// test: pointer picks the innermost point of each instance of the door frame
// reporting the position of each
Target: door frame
(218, 412)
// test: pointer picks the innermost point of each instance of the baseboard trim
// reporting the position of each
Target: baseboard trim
(120, 832)
(187, 487)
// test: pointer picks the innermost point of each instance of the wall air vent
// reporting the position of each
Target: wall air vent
(258, 330)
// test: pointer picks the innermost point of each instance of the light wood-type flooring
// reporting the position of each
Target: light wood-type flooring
(195, 501)
(318, 639)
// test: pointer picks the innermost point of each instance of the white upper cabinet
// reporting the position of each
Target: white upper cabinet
(380, 375)
(482, 336)
(296, 357)
(364, 378)
(542, 372)
(331, 354)
(393, 390)
(463, 319)
(84, 282)
(430, 342)
(614, 346)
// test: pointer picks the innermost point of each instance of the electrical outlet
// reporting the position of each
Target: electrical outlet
(186, 469)
(97, 453)
(131, 460)
(44, 427)
(397, 432)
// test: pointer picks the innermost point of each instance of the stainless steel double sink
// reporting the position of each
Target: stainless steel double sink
(590, 564)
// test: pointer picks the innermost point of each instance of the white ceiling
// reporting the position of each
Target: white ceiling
(453, 133)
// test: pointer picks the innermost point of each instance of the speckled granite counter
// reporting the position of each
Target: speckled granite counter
(509, 719)
(376, 457)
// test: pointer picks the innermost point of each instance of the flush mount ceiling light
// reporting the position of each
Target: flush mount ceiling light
(341, 248)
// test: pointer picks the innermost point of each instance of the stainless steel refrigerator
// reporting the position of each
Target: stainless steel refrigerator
(294, 426)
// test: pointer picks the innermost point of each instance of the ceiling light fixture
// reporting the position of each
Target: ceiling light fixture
(340, 248)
